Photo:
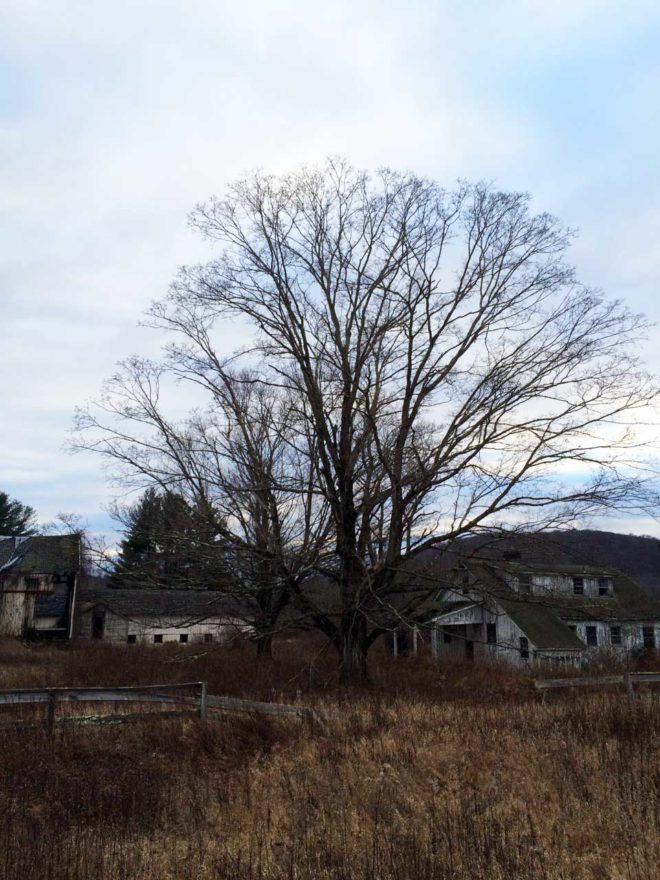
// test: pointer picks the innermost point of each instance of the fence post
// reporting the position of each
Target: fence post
(627, 680)
(50, 715)
(203, 700)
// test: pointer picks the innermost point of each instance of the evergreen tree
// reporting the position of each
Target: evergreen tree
(15, 518)
(167, 544)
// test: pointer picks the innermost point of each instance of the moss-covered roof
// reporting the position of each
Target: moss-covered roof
(40, 554)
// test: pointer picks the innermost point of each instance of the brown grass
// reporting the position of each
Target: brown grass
(433, 772)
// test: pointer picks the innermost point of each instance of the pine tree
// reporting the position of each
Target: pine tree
(15, 518)
(167, 544)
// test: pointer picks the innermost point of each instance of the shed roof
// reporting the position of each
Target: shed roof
(188, 606)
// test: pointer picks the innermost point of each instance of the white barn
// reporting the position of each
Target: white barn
(156, 617)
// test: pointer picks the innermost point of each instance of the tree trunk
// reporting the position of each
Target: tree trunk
(353, 667)
(264, 648)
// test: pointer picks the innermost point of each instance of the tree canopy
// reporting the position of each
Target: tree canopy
(166, 545)
(436, 368)
(16, 518)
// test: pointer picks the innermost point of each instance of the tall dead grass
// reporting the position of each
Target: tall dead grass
(432, 773)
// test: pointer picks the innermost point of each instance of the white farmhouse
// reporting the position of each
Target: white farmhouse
(524, 613)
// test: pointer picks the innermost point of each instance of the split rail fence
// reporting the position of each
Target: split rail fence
(181, 700)
(627, 679)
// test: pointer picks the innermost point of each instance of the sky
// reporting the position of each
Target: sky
(116, 118)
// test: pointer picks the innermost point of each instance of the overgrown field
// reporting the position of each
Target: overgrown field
(432, 772)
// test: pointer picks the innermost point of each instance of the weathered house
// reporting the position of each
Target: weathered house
(526, 600)
(527, 613)
(152, 616)
(38, 584)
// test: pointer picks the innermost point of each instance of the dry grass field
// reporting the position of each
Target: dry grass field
(455, 773)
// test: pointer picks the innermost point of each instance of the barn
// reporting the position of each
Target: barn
(157, 617)
(39, 577)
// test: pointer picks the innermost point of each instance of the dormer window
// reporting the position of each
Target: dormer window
(604, 586)
(578, 586)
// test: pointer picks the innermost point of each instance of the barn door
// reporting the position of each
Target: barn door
(98, 624)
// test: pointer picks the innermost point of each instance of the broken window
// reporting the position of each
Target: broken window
(491, 633)
(578, 586)
(648, 635)
(615, 635)
(158, 639)
(592, 635)
(524, 647)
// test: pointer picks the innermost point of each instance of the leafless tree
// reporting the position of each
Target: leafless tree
(443, 368)
(238, 464)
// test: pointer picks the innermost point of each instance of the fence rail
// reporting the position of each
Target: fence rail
(627, 679)
(200, 703)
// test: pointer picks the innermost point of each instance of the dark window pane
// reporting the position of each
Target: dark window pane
(183, 638)
(158, 639)
(648, 635)
(615, 635)
(491, 633)
(208, 637)
(131, 639)
(578, 586)
(524, 647)
(592, 635)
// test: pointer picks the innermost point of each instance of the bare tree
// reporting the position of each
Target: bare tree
(444, 370)
(239, 466)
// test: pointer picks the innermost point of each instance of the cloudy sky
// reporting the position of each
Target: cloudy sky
(117, 116)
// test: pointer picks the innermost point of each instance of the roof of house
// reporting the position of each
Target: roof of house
(189, 606)
(40, 554)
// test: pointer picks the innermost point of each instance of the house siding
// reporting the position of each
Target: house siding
(117, 629)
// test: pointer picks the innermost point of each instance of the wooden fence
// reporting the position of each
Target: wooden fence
(627, 679)
(190, 698)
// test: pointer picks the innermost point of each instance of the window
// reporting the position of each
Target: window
(648, 635)
(446, 638)
(158, 639)
(131, 638)
(524, 647)
(604, 586)
(208, 637)
(525, 583)
(491, 633)
(183, 638)
(578, 586)
(592, 635)
(615, 635)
